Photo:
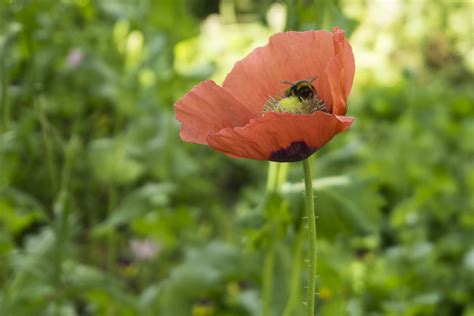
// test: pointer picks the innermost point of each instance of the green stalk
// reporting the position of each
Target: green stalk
(272, 176)
(269, 260)
(282, 174)
(312, 237)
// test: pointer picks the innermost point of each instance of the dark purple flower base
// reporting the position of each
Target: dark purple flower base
(295, 152)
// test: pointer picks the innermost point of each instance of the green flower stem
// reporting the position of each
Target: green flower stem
(272, 176)
(281, 176)
(312, 237)
(269, 260)
(277, 173)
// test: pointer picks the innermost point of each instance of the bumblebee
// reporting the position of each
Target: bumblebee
(303, 89)
(300, 98)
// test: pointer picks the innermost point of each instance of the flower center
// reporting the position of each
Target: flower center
(300, 98)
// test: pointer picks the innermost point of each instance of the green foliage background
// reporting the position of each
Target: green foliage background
(91, 163)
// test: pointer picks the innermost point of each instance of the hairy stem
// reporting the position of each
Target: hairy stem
(269, 260)
(312, 237)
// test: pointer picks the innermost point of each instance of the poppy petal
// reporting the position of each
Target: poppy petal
(340, 72)
(282, 137)
(208, 108)
(289, 56)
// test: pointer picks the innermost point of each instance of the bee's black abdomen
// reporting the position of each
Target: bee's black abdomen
(302, 89)
(307, 95)
(305, 92)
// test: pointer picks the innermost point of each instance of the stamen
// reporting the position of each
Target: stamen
(294, 105)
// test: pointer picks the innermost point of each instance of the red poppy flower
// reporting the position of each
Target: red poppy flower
(282, 102)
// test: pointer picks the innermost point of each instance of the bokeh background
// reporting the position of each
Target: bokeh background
(104, 211)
